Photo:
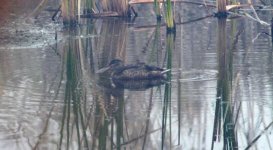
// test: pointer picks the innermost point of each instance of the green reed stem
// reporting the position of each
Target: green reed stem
(157, 9)
(233, 1)
(88, 6)
(168, 87)
(169, 16)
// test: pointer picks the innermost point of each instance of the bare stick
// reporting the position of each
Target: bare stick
(257, 138)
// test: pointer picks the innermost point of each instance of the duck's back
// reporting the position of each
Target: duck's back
(136, 72)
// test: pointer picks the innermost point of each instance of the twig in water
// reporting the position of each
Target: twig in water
(56, 13)
(256, 17)
(257, 138)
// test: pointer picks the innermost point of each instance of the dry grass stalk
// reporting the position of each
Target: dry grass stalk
(68, 11)
(221, 5)
(119, 6)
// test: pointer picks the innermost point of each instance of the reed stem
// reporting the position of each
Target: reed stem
(221, 5)
(221, 8)
(69, 12)
(169, 17)
(157, 9)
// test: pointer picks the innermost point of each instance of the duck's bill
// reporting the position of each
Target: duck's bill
(165, 71)
(102, 70)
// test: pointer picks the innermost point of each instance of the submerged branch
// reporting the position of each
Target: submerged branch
(257, 138)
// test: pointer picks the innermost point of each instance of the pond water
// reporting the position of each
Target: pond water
(219, 93)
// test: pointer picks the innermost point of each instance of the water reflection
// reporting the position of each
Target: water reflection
(53, 98)
(166, 112)
(74, 117)
(224, 102)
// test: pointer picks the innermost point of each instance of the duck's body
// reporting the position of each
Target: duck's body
(139, 71)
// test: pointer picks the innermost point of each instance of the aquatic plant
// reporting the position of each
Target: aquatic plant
(169, 16)
(75, 93)
(73, 9)
(166, 112)
(221, 5)
(224, 102)
(157, 9)
(221, 8)
(233, 1)
(156, 51)
(118, 6)
(68, 8)
(89, 6)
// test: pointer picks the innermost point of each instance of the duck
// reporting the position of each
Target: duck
(139, 71)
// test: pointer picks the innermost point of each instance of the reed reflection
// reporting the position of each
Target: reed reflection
(224, 116)
(94, 114)
(74, 118)
(166, 113)
(108, 116)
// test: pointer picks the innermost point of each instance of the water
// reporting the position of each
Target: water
(52, 98)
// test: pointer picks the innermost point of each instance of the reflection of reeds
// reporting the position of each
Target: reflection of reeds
(108, 124)
(74, 97)
(168, 87)
(110, 45)
(224, 103)
(103, 137)
(156, 45)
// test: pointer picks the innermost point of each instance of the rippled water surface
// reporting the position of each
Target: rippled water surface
(218, 93)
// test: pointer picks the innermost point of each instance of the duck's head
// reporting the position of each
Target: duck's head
(114, 64)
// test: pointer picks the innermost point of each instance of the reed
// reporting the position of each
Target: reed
(156, 51)
(118, 6)
(224, 103)
(157, 10)
(221, 8)
(71, 10)
(74, 118)
(169, 17)
(221, 5)
(166, 113)
(233, 2)
(89, 6)
(68, 8)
